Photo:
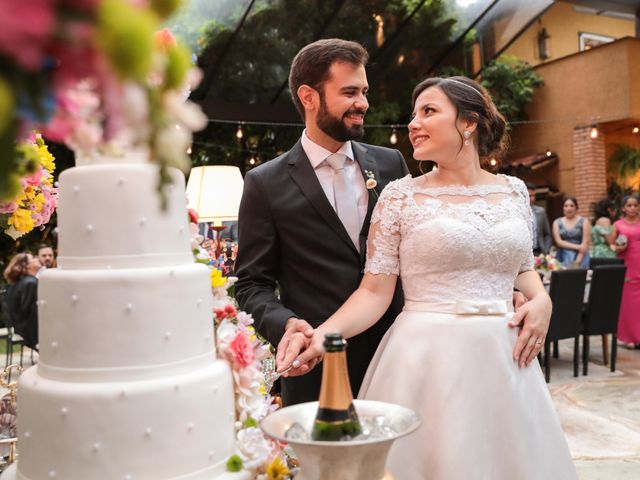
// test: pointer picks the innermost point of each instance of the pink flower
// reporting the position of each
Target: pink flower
(242, 350)
(34, 180)
(8, 207)
(25, 29)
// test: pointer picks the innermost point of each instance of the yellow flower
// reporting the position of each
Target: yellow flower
(217, 280)
(277, 470)
(38, 201)
(21, 220)
(46, 159)
(263, 390)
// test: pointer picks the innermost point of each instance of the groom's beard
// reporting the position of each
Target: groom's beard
(336, 128)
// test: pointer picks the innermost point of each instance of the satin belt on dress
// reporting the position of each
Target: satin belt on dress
(462, 307)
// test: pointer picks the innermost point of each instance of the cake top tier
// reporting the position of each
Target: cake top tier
(110, 216)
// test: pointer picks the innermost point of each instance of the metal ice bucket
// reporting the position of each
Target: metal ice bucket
(358, 459)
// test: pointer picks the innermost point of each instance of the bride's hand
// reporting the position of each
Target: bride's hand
(291, 358)
(533, 317)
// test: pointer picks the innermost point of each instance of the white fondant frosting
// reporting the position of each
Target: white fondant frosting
(94, 234)
(126, 388)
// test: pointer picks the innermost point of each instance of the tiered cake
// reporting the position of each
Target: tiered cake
(127, 386)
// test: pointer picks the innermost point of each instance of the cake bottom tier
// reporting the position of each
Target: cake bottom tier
(176, 427)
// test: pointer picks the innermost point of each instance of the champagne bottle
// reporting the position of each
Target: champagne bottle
(336, 418)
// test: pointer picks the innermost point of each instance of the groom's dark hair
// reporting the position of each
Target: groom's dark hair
(311, 65)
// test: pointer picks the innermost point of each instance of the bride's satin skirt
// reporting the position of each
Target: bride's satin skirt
(483, 418)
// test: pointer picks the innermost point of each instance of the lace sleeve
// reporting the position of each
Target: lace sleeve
(528, 216)
(384, 233)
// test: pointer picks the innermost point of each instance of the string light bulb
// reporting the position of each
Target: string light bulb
(189, 151)
(393, 139)
(252, 161)
(239, 132)
(493, 162)
(548, 153)
(635, 130)
(594, 131)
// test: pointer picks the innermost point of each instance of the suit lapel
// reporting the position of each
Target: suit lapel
(305, 178)
(368, 167)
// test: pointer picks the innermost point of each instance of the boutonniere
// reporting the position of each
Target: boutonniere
(371, 182)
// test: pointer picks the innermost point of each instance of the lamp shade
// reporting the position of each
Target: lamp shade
(214, 191)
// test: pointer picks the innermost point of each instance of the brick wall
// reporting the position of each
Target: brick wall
(590, 169)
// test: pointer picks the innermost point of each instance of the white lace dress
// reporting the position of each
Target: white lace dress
(448, 355)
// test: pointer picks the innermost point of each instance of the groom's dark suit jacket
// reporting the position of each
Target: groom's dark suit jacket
(290, 237)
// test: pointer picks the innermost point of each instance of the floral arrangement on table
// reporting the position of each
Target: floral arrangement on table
(92, 74)
(546, 263)
(37, 198)
(246, 352)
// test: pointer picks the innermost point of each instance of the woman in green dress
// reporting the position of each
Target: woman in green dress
(602, 232)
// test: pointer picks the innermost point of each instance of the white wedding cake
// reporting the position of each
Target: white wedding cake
(127, 386)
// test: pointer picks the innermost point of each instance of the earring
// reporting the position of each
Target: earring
(467, 134)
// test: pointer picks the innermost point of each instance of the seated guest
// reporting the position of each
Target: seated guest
(571, 234)
(22, 296)
(602, 240)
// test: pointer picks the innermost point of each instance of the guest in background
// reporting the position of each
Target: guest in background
(22, 296)
(602, 239)
(571, 234)
(46, 257)
(626, 231)
(540, 224)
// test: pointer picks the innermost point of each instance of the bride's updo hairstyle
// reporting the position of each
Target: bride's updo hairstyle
(472, 103)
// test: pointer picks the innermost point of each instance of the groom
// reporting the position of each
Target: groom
(304, 216)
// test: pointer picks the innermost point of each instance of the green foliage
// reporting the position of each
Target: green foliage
(512, 83)
(625, 161)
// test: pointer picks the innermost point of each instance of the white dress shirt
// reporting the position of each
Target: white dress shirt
(324, 172)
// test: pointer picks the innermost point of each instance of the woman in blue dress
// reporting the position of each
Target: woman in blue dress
(572, 234)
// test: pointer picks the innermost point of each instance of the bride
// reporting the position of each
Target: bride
(460, 238)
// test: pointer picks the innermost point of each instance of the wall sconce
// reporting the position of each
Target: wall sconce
(543, 44)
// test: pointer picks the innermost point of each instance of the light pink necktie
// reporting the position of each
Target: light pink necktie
(345, 198)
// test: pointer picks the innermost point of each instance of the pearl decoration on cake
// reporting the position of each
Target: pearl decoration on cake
(123, 394)
(176, 388)
(172, 273)
(42, 302)
(143, 221)
(198, 302)
(52, 474)
(129, 307)
(128, 477)
(74, 299)
(190, 427)
(120, 181)
(54, 345)
(76, 189)
(27, 434)
(64, 411)
(181, 230)
(167, 336)
(89, 228)
(148, 432)
(96, 447)
(211, 454)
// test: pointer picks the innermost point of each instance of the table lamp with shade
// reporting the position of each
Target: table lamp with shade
(214, 192)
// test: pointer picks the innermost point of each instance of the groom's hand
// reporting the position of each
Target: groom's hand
(294, 325)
